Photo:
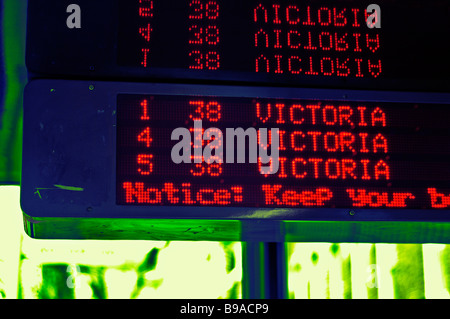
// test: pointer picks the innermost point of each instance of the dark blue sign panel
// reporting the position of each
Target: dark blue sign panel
(100, 149)
(399, 45)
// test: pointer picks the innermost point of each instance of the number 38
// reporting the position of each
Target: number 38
(208, 61)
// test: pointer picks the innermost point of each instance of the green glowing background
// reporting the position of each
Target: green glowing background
(35, 269)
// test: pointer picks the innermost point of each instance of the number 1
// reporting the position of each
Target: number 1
(144, 105)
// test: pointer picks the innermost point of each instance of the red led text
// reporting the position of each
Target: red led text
(364, 198)
(280, 196)
(325, 41)
(204, 35)
(185, 194)
(438, 200)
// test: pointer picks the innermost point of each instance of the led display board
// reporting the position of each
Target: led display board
(331, 153)
(402, 45)
(104, 149)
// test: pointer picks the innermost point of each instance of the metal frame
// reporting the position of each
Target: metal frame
(43, 203)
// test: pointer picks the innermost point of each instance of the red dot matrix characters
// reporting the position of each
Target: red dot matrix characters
(319, 41)
(342, 148)
(364, 198)
(286, 39)
(145, 15)
(204, 35)
(185, 195)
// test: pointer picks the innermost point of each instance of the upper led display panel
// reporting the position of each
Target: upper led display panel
(393, 45)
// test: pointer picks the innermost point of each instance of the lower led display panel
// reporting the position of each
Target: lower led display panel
(169, 151)
(331, 153)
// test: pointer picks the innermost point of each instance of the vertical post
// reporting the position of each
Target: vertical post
(253, 279)
(276, 261)
(264, 262)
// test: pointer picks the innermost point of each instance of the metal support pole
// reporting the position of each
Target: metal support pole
(264, 263)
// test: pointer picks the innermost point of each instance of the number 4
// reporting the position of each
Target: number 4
(145, 137)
